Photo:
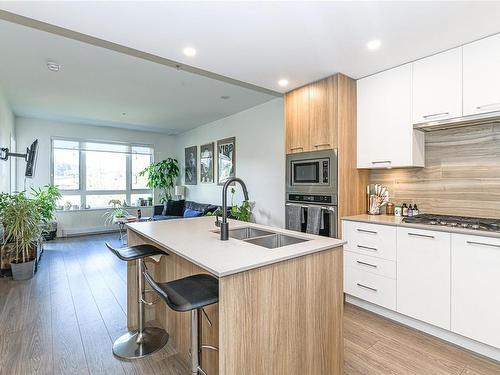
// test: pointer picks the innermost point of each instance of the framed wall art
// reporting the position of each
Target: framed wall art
(207, 163)
(226, 159)
(190, 175)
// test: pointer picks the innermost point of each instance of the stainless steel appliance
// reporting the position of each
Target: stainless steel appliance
(312, 181)
(475, 223)
(312, 172)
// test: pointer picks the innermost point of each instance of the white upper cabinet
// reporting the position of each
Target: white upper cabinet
(385, 135)
(481, 75)
(437, 87)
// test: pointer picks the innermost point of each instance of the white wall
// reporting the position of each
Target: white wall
(260, 159)
(29, 129)
(6, 135)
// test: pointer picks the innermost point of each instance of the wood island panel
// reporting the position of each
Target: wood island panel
(285, 318)
(178, 325)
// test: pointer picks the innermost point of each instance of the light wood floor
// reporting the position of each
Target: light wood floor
(64, 320)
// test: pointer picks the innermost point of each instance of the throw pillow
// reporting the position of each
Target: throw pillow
(192, 213)
(175, 208)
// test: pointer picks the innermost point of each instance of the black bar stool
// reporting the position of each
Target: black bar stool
(146, 340)
(191, 293)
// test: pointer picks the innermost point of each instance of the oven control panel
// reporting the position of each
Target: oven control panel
(312, 198)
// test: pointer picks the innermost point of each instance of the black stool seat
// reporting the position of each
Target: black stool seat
(189, 293)
(134, 252)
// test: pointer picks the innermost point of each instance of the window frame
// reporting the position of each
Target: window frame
(82, 190)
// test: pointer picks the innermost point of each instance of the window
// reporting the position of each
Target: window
(66, 165)
(91, 174)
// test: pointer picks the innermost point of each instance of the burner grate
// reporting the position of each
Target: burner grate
(476, 223)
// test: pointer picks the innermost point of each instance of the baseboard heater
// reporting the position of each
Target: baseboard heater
(73, 232)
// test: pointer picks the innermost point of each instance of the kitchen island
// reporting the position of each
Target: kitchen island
(280, 295)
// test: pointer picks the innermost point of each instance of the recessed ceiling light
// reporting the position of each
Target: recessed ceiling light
(189, 51)
(374, 44)
(53, 66)
(225, 97)
(283, 82)
(123, 113)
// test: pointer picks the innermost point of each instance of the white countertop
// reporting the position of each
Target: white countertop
(196, 240)
(398, 221)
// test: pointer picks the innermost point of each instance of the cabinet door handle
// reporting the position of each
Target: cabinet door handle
(322, 144)
(297, 148)
(436, 114)
(367, 247)
(366, 231)
(482, 244)
(367, 264)
(381, 162)
(486, 106)
(367, 287)
(420, 235)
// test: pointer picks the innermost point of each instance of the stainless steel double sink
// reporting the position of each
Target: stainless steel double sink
(264, 238)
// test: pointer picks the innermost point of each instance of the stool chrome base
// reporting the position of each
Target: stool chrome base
(130, 346)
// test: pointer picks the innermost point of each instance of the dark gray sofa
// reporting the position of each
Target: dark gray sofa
(177, 209)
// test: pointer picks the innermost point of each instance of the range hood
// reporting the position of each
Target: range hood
(480, 119)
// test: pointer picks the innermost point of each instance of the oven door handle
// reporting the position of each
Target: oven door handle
(329, 209)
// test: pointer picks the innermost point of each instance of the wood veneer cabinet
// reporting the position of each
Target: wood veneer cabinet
(297, 120)
(321, 116)
(312, 115)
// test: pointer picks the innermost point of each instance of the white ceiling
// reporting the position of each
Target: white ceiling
(96, 86)
(261, 42)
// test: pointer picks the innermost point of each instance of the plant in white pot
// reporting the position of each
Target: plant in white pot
(21, 219)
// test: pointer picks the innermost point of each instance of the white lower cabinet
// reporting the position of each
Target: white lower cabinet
(475, 288)
(370, 287)
(448, 280)
(423, 275)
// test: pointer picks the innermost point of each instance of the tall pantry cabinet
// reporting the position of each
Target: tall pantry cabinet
(322, 116)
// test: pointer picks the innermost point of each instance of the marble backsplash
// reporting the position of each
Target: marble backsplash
(461, 174)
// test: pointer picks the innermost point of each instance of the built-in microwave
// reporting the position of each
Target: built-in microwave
(310, 171)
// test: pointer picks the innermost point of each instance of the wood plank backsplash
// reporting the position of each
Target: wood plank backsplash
(461, 174)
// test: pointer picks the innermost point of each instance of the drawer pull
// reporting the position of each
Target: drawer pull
(366, 231)
(420, 235)
(297, 148)
(436, 114)
(486, 106)
(322, 144)
(382, 162)
(367, 287)
(367, 264)
(482, 244)
(367, 248)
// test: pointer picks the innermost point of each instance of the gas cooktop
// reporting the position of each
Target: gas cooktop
(477, 223)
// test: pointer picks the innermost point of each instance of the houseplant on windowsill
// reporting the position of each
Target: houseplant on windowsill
(47, 198)
(162, 175)
(21, 218)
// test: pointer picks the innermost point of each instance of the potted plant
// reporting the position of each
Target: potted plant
(162, 175)
(241, 212)
(21, 218)
(5, 248)
(46, 199)
(116, 213)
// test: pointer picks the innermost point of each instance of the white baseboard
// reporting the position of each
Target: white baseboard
(464, 342)
(85, 231)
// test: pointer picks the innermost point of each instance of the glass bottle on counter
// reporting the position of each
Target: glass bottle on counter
(410, 211)
(404, 209)
(415, 210)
